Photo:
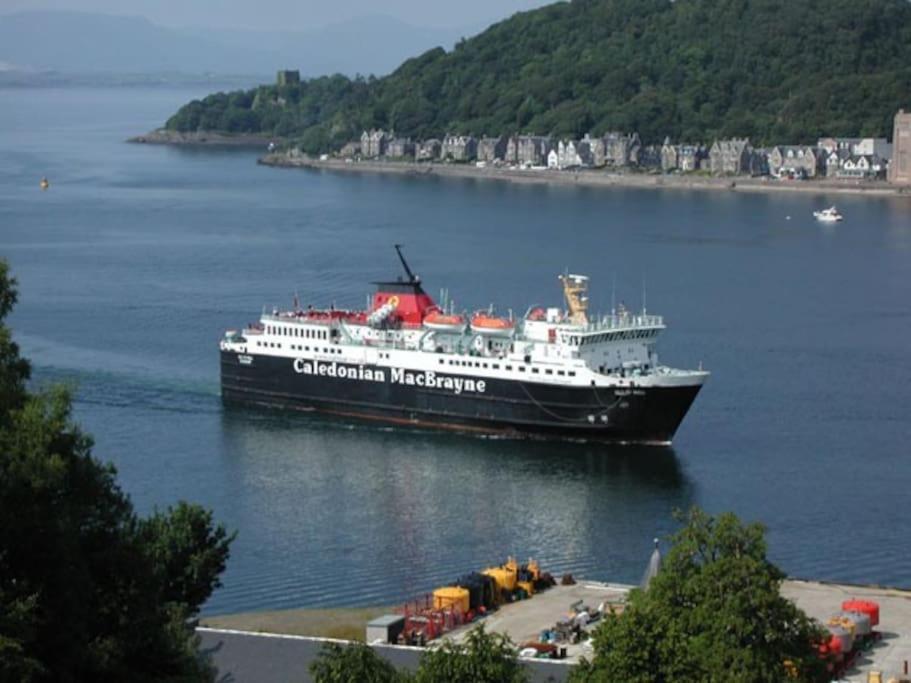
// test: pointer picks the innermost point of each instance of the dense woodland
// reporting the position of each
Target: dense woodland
(89, 590)
(777, 71)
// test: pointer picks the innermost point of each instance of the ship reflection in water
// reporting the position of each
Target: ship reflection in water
(351, 514)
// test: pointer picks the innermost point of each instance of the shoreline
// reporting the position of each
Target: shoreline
(162, 136)
(590, 178)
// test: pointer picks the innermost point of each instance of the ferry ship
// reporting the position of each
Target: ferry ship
(407, 360)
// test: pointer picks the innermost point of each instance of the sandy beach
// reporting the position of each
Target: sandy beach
(592, 178)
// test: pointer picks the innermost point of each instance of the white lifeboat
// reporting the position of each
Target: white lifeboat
(491, 325)
(443, 322)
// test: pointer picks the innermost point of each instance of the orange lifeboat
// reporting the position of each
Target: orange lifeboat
(484, 323)
(441, 322)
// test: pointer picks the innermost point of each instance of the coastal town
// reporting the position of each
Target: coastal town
(838, 158)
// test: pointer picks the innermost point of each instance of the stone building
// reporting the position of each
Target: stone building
(864, 166)
(598, 150)
(834, 159)
(400, 148)
(649, 157)
(857, 146)
(374, 143)
(669, 156)
(492, 149)
(691, 157)
(529, 150)
(460, 148)
(797, 161)
(570, 154)
(730, 157)
(900, 168)
(288, 77)
(429, 150)
(621, 149)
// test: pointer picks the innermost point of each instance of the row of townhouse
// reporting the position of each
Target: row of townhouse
(830, 157)
(613, 149)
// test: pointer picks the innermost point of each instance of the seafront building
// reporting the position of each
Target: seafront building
(831, 157)
(900, 171)
(797, 161)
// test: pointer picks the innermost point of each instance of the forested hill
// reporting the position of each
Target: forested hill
(773, 70)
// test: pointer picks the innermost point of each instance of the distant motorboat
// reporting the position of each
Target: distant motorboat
(829, 215)
(44, 184)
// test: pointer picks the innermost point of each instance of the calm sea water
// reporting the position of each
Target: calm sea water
(137, 258)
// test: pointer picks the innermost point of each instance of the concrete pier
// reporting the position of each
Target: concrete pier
(261, 647)
(887, 656)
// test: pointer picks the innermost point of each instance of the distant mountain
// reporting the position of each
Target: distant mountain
(77, 42)
(773, 70)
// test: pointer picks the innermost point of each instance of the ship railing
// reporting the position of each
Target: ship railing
(624, 322)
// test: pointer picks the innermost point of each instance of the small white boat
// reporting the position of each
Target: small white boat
(829, 215)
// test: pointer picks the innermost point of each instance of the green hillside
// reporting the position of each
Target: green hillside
(773, 70)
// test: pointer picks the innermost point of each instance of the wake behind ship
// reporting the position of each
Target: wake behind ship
(407, 360)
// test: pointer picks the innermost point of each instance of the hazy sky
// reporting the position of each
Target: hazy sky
(288, 14)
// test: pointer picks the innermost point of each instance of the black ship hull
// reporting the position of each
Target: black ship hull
(513, 407)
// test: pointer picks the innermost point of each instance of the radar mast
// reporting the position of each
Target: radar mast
(575, 290)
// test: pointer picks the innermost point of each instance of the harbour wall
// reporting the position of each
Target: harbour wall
(590, 178)
(248, 657)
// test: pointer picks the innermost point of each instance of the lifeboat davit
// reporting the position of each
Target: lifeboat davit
(442, 322)
(484, 323)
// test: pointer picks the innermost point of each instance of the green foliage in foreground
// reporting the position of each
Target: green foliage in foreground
(483, 658)
(89, 591)
(778, 71)
(354, 663)
(713, 613)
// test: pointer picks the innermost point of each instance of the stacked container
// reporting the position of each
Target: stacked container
(867, 607)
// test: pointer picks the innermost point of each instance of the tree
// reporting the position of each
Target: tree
(354, 663)
(696, 70)
(483, 658)
(714, 612)
(89, 590)
(14, 371)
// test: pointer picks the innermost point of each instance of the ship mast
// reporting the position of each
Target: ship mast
(575, 290)
(412, 278)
